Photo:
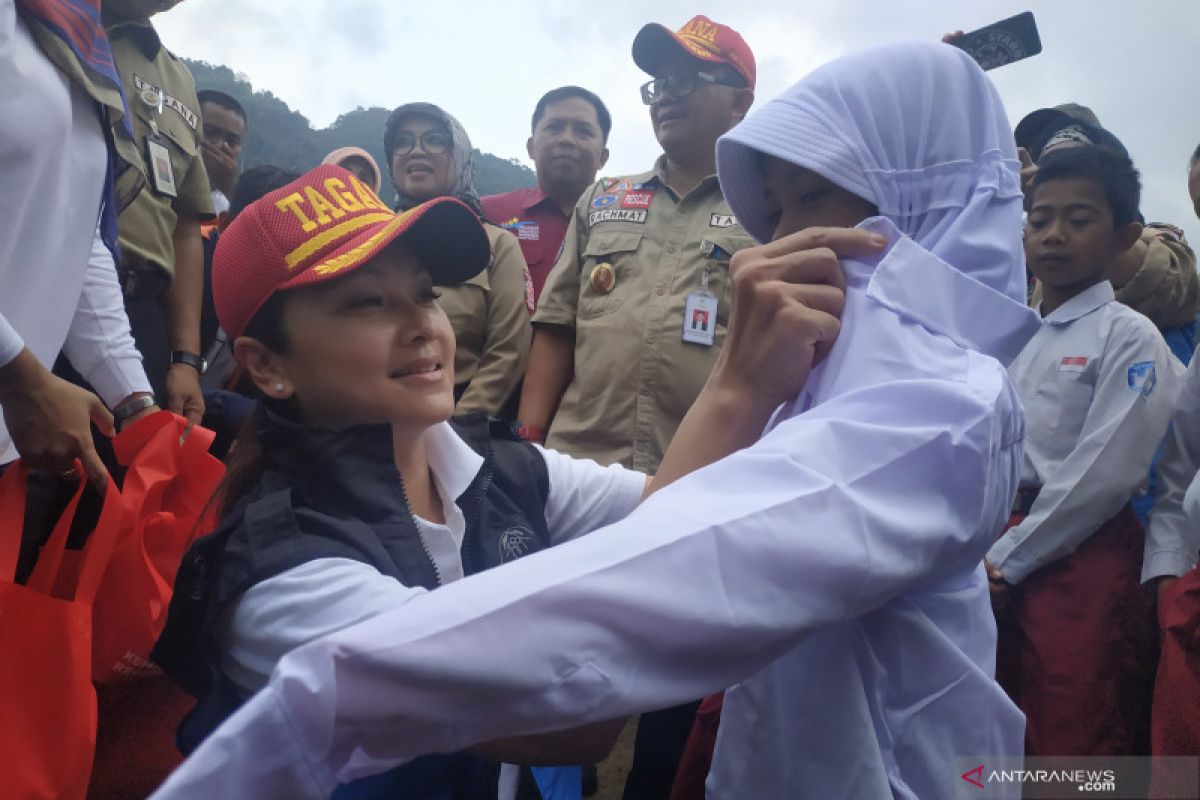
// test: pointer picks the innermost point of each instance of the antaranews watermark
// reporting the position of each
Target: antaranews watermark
(1051, 778)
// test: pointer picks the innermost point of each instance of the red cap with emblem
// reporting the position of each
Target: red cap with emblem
(700, 38)
(325, 224)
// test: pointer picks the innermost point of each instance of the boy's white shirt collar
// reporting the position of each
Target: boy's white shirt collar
(1080, 305)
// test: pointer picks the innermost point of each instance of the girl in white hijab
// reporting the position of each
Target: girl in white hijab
(831, 573)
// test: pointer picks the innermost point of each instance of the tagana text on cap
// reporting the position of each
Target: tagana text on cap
(325, 224)
(700, 38)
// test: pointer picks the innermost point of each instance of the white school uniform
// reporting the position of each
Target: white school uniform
(834, 567)
(1098, 383)
(1173, 538)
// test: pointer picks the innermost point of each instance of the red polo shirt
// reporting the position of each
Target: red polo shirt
(537, 222)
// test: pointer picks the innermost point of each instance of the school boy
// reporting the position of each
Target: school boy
(1097, 382)
(1172, 548)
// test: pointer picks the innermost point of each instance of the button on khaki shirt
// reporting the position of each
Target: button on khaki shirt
(490, 318)
(633, 253)
(148, 223)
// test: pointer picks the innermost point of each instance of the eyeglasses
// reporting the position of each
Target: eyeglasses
(432, 142)
(678, 84)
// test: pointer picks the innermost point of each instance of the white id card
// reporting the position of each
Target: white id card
(700, 318)
(161, 173)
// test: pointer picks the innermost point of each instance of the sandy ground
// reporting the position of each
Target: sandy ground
(612, 770)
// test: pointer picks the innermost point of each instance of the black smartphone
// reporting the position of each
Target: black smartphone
(1002, 42)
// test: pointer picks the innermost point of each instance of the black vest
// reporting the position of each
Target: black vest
(336, 494)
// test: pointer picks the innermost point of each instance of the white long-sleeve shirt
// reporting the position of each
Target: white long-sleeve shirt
(58, 286)
(849, 539)
(1173, 537)
(1098, 383)
(322, 596)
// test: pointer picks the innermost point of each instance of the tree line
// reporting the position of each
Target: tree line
(278, 135)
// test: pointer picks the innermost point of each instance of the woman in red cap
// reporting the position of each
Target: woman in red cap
(350, 492)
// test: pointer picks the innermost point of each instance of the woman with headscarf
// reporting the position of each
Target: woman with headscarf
(359, 162)
(832, 570)
(429, 155)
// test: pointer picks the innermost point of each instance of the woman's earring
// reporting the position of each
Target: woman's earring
(279, 387)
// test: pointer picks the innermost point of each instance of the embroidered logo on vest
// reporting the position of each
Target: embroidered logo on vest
(515, 543)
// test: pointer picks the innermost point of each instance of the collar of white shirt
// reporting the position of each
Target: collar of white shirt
(452, 460)
(1081, 304)
(916, 284)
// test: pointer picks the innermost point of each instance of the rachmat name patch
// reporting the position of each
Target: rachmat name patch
(617, 215)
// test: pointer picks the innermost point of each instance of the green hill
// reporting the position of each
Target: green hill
(278, 135)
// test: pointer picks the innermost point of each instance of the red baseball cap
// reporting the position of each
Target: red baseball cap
(700, 38)
(323, 225)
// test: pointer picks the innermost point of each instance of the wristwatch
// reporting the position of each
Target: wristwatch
(131, 407)
(191, 359)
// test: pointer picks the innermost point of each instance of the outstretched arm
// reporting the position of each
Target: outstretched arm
(837, 511)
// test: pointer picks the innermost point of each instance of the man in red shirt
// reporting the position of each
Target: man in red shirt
(570, 130)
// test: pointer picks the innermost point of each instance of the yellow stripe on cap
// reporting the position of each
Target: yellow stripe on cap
(351, 257)
(336, 232)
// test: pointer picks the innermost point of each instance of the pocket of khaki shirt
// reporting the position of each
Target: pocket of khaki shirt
(183, 144)
(619, 249)
(718, 276)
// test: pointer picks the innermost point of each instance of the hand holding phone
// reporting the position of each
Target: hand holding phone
(1001, 42)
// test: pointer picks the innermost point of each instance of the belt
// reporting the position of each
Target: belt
(141, 279)
(1023, 500)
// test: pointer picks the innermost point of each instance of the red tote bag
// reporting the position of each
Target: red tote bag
(166, 492)
(48, 713)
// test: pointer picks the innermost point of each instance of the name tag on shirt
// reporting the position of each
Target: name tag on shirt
(1072, 364)
(700, 318)
(162, 176)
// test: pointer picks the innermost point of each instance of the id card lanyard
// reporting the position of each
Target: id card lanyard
(700, 306)
(158, 155)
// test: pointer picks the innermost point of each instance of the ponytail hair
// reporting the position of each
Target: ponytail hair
(246, 462)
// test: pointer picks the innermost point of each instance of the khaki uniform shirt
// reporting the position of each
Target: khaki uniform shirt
(1166, 287)
(148, 223)
(490, 318)
(129, 178)
(633, 253)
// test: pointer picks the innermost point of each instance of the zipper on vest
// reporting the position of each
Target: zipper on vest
(473, 523)
(437, 573)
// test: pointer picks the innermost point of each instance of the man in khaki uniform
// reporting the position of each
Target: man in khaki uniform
(634, 311)
(162, 264)
(633, 314)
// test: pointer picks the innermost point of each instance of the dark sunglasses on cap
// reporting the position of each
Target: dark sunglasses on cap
(432, 142)
(679, 85)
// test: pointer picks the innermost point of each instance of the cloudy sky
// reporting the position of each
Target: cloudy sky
(487, 63)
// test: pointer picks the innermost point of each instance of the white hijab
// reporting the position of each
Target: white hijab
(919, 131)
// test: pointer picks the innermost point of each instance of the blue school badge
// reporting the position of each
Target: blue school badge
(603, 200)
(1142, 378)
